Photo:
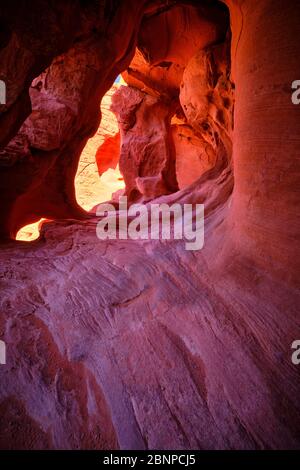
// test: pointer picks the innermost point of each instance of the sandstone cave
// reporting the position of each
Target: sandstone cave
(141, 344)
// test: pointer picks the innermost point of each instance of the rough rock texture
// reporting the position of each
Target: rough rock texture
(180, 32)
(191, 80)
(206, 94)
(162, 80)
(96, 44)
(142, 344)
(146, 158)
(194, 155)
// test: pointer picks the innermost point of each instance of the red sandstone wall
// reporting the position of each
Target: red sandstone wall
(38, 171)
(142, 344)
(265, 54)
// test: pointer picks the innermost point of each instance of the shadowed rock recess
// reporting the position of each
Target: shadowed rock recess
(142, 344)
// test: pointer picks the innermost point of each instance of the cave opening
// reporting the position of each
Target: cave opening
(175, 115)
(98, 176)
(166, 121)
(120, 343)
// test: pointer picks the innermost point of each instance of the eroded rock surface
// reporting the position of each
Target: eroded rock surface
(142, 344)
(82, 61)
(146, 159)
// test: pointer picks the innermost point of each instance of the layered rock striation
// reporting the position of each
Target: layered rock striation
(142, 344)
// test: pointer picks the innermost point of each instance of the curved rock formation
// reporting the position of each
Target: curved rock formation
(83, 60)
(98, 163)
(180, 31)
(146, 158)
(142, 344)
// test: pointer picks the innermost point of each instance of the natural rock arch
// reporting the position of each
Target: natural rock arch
(142, 345)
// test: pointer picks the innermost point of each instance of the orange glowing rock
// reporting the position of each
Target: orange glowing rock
(30, 232)
(98, 175)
